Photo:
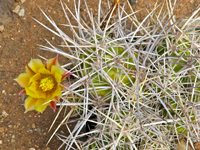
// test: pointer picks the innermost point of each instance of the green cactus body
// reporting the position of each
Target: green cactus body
(179, 60)
(183, 46)
(111, 62)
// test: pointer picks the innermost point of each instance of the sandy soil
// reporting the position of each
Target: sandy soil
(18, 42)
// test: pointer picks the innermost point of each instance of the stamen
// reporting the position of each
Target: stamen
(47, 83)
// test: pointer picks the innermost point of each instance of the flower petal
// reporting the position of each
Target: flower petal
(35, 78)
(23, 92)
(66, 74)
(30, 104)
(51, 62)
(57, 98)
(41, 104)
(56, 92)
(30, 93)
(35, 65)
(58, 77)
(28, 69)
(34, 91)
(23, 79)
(44, 71)
(57, 72)
(53, 105)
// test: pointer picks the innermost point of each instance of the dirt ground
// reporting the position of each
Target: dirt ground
(18, 42)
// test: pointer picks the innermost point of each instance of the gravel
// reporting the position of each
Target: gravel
(4, 114)
(17, 9)
(21, 12)
(1, 28)
(33, 125)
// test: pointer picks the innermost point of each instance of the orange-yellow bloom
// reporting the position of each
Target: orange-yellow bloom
(41, 83)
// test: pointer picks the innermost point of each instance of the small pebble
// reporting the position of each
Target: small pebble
(4, 114)
(12, 140)
(30, 131)
(1, 28)
(38, 130)
(33, 126)
(21, 12)
(132, 2)
(62, 132)
(1, 141)
(191, 1)
(22, 1)
(9, 126)
(15, 126)
(62, 43)
(17, 9)
(31, 149)
(3, 91)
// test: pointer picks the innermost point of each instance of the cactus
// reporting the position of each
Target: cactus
(136, 78)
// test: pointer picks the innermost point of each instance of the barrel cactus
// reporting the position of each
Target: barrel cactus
(133, 80)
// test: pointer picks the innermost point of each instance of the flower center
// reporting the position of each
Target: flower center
(47, 83)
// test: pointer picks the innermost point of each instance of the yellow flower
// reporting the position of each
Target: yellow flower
(41, 83)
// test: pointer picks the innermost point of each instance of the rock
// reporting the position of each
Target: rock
(21, 12)
(12, 140)
(3, 91)
(1, 142)
(38, 130)
(33, 126)
(1, 28)
(4, 114)
(22, 1)
(15, 126)
(17, 9)
(30, 131)
(31, 149)
(191, 1)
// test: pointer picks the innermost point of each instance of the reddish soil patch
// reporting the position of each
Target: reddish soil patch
(18, 42)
